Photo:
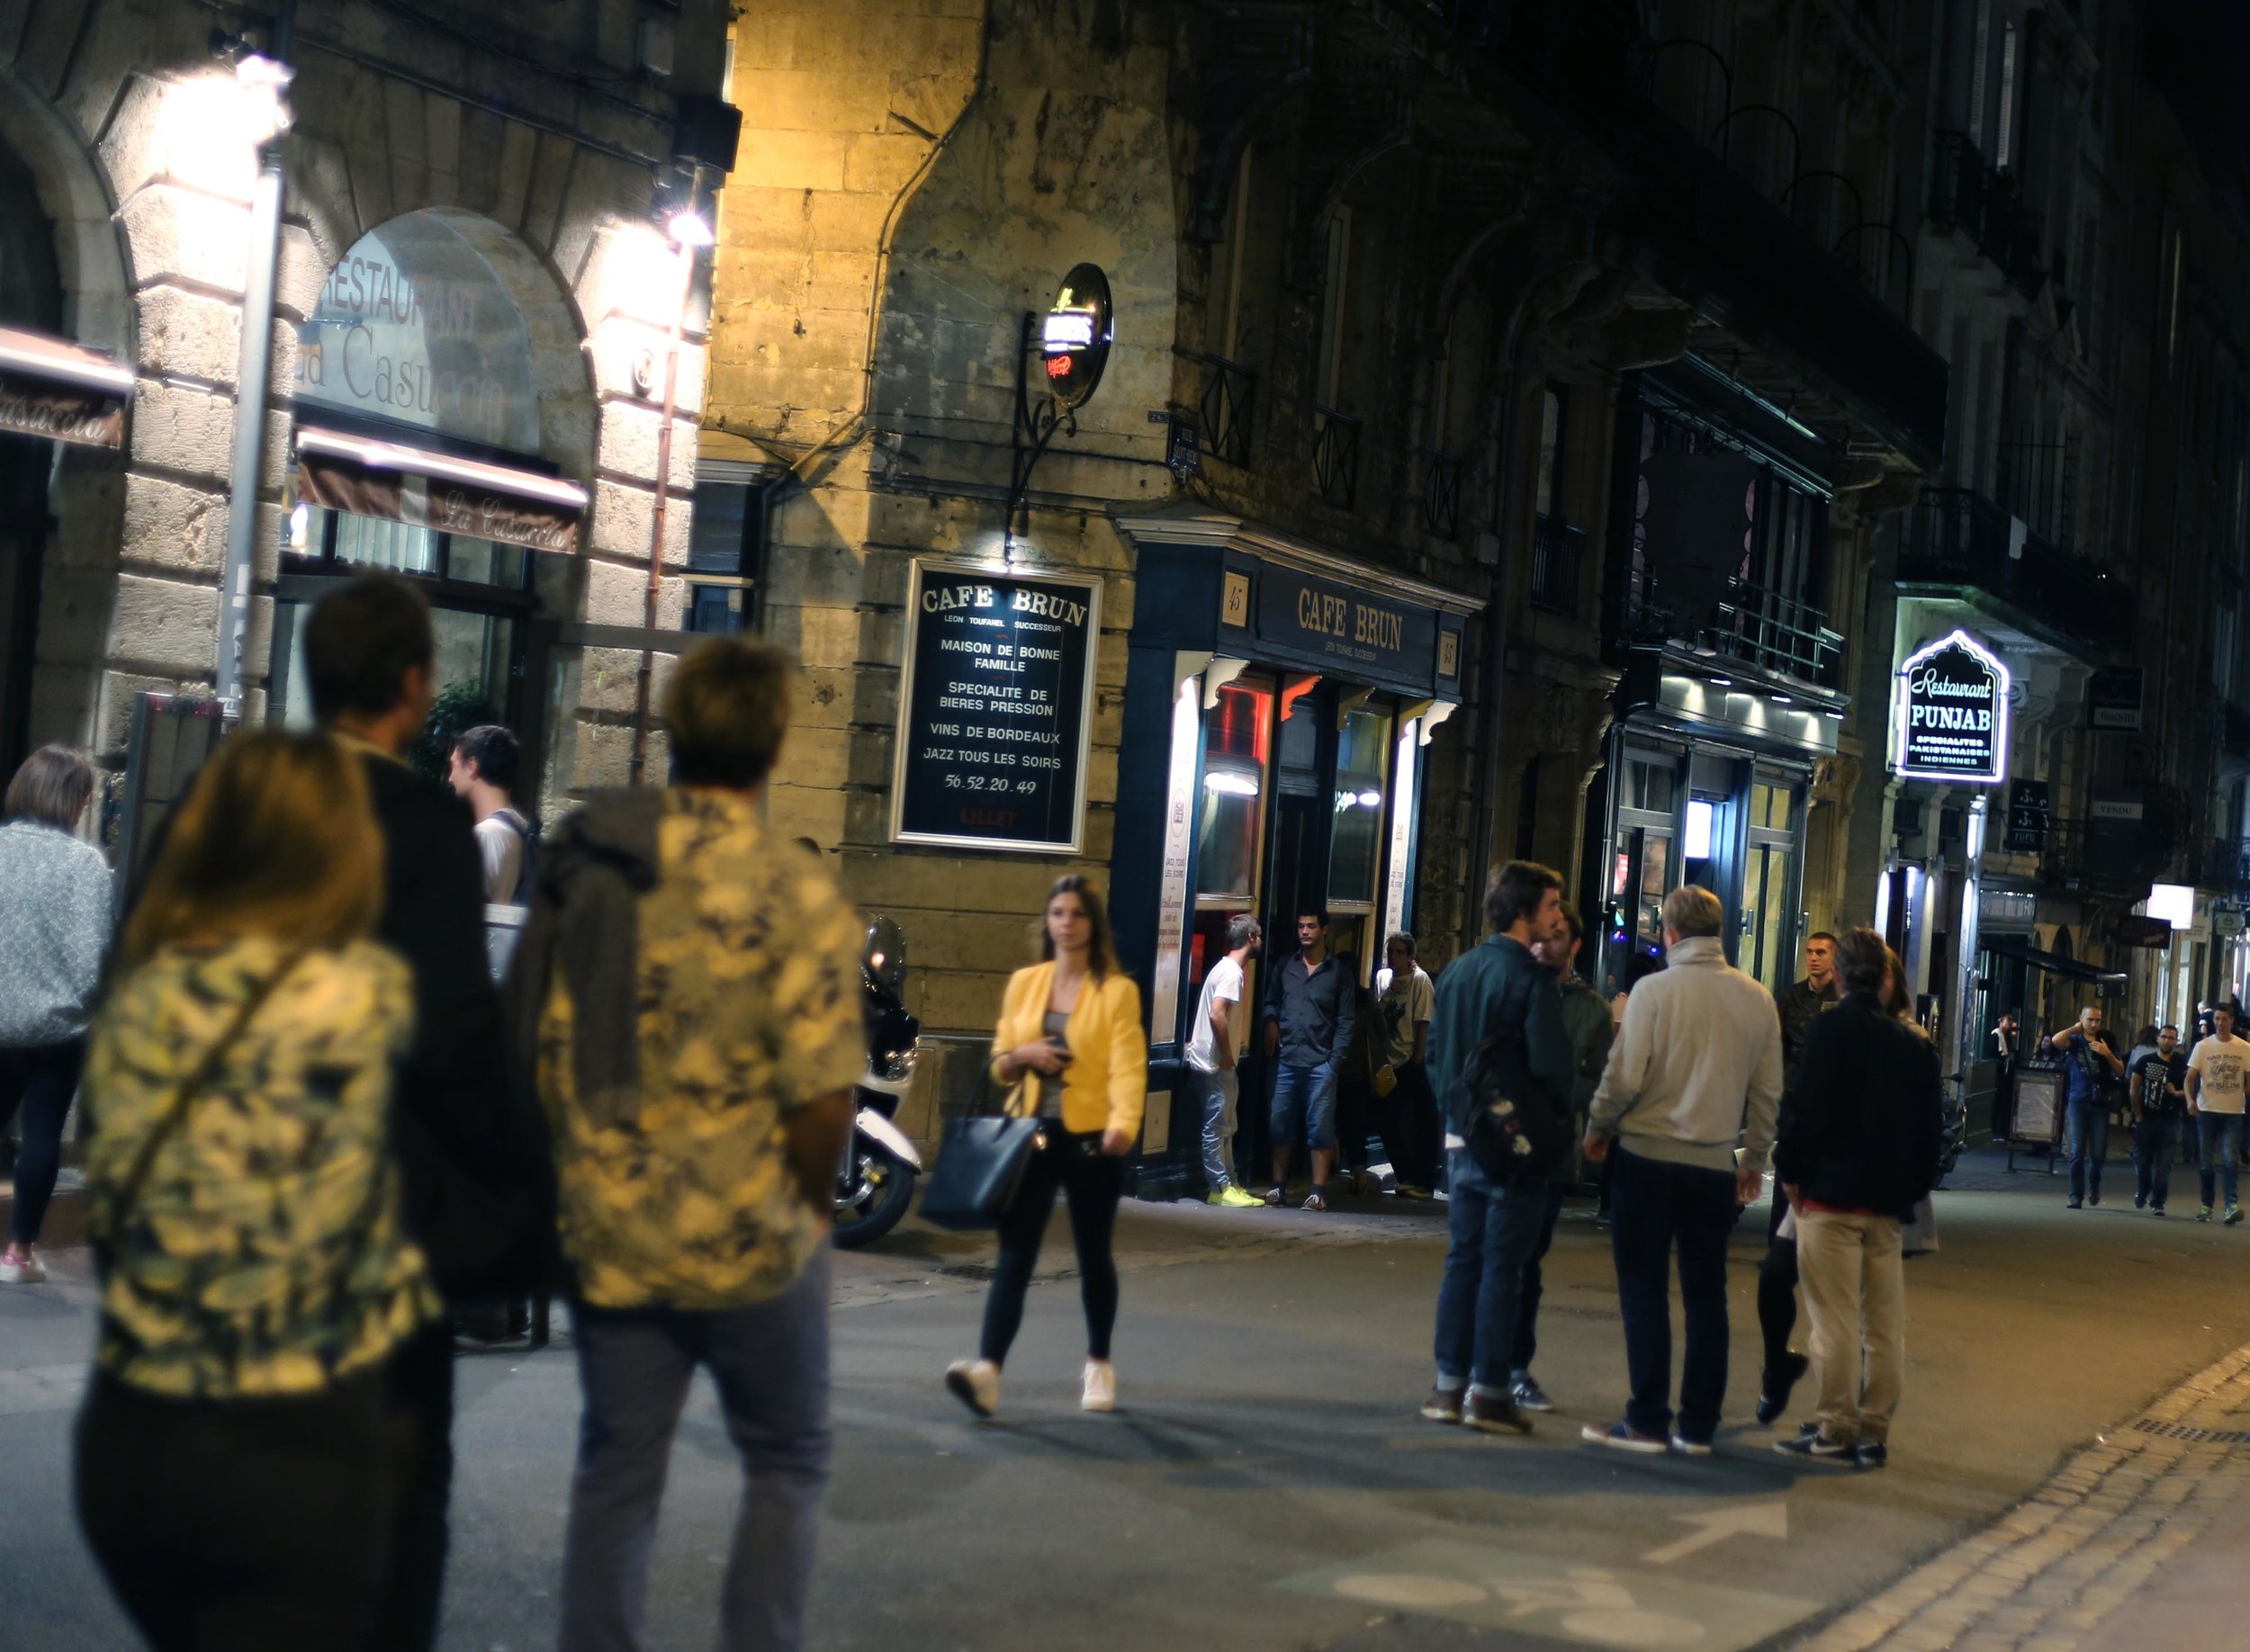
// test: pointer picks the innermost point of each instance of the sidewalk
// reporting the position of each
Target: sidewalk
(2136, 1542)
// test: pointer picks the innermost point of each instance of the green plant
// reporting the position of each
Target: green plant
(460, 707)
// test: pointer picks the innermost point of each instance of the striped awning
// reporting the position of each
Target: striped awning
(440, 491)
(66, 391)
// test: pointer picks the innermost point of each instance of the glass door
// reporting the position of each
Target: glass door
(1770, 905)
(1643, 866)
(1356, 838)
(1230, 824)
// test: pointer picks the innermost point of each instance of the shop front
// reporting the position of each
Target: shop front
(1278, 703)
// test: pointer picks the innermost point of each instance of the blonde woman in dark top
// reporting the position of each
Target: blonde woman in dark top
(242, 1447)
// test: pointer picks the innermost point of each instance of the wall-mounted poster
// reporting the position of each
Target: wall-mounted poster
(997, 708)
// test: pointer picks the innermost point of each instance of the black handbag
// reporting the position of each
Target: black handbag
(981, 1161)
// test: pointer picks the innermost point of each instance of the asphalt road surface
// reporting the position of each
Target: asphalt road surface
(1266, 1484)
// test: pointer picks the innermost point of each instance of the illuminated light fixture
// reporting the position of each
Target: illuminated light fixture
(2172, 902)
(1231, 785)
(1699, 822)
(1782, 699)
(1370, 800)
(1723, 682)
(1833, 714)
(688, 230)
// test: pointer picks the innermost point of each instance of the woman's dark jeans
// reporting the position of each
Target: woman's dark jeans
(1094, 1183)
(41, 1078)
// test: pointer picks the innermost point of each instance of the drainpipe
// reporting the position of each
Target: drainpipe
(1496, 657)
(252, 393)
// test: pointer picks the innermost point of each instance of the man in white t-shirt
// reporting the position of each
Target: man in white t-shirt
(1213, 1045)
(483, 774)
(1407, 999)
(2217, 1071)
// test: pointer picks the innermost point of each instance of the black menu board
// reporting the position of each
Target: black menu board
(995, 717)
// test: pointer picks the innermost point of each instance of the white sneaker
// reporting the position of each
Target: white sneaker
(1101, 1393)
(25, 1273)
(975, 1383)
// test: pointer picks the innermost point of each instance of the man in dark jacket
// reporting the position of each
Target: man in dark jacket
(1311, 1013)
(466, 1137)
(1862, 1130)
(1494, 1222)
(1800, 1005)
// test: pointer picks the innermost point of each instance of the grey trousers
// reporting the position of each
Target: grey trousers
(770, 1364)
(1220, 1091)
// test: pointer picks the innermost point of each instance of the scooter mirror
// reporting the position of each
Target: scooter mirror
(886, 955)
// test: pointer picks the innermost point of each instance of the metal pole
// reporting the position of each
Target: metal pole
(252, 395)
(656, 530)
(1967, 1046)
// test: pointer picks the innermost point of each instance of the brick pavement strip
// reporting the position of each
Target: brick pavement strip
(2045, 1574)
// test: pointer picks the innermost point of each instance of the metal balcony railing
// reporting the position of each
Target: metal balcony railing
(1335, 456)
(1229, 395)
(1558, 551)
(2112, 857)
(1983, 201)
(1956, 536)
(1751, 626)
(1441, 495)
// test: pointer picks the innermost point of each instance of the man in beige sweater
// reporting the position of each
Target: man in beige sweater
(1696, 1069)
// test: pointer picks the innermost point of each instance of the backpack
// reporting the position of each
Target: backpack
(1512, 1128)
(528, 831)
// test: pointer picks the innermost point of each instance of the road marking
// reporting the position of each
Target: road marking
(1769, 1519)
(1539, 1595)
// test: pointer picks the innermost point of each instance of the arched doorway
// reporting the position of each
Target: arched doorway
(31, 297)
(438, 393)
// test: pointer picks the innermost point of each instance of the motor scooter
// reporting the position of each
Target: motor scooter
(876, 1182)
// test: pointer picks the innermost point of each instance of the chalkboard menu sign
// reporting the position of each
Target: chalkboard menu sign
(996, 710)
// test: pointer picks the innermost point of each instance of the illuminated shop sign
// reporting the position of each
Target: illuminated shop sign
(1949, 713)
(1075, 335)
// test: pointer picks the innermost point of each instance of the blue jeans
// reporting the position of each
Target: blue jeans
(1493, 1228)
(770, 1363)
(1654, 1206)
(1219, 1090)
(1525, 1347)
(2221, 1135)
(2157, 1148)
(2089, 1145)
(1304, 1097)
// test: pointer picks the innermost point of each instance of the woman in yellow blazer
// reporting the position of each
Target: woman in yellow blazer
(1070, 1036)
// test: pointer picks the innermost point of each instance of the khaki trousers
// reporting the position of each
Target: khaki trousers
(1855, 1294)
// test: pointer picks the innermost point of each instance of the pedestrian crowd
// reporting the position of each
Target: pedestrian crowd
(322, 1140)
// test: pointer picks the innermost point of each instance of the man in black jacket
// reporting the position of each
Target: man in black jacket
(1862, 1129)
(1799, 1004)
(465, 1137)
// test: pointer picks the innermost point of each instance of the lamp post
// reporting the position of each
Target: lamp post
(266, 76)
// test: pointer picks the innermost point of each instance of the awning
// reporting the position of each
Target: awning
(439, 491)
(2054, 963)
(53, 388)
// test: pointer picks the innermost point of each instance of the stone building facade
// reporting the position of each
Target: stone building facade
(472, 267)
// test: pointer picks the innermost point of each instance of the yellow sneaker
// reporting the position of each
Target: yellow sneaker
(1234, 1198)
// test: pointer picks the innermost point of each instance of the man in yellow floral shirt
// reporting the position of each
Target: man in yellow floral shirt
(689, 984)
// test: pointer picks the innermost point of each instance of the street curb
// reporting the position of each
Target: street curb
(2043, 1576)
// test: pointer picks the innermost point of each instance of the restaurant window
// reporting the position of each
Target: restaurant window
(1356, 836)
(725, 555)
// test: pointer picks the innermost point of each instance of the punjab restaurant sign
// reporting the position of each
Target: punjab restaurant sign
(1348, 626)
(1949, 713)
(997, 710)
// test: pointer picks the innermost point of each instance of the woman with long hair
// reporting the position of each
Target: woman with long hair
(242, 1450)
(1070, 1041)
(54, 928)
(1894, 996)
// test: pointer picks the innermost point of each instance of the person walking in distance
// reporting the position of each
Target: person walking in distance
(474, 1170)
(1799, 1005)
(483, 773)
(1697, 1067)
(1861, 1133)
(2159, 1082)
(2089, 1063)
(1310, 1017)
(1070, 1030)
(1213, 1047)
(1406, 998)
(690, 989)
(54, 929)
(249, 1454)
(2216, 1069)
(1495, 1002)
(1586, 1021)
